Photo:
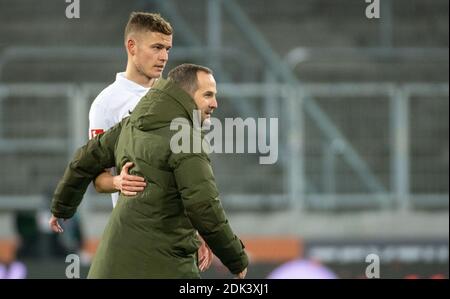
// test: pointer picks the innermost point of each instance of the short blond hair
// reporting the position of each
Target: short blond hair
(144, 21)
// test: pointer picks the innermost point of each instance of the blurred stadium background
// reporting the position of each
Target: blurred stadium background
(363, 127)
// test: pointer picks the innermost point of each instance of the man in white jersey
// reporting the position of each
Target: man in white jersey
(113, 104)
(148, 39)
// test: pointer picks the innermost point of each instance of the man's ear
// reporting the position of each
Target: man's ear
(131, 46)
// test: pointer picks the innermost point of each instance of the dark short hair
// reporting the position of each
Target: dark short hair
(185, 76)
(144, 21)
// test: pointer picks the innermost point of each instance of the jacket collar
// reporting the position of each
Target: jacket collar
(178, 94)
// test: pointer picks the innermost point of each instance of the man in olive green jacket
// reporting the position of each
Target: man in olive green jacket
(153, 234)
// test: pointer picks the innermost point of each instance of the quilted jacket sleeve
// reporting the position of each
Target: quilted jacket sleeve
(88, 162)
(196, 184)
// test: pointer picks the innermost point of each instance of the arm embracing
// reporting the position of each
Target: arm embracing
(88, 161)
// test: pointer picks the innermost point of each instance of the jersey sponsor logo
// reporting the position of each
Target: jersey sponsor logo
(95, 132)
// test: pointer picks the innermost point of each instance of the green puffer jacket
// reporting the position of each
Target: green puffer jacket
(153, 234)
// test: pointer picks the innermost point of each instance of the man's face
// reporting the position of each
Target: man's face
(205, 96)
(150, 52)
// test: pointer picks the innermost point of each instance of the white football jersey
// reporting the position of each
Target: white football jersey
(114, 103)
